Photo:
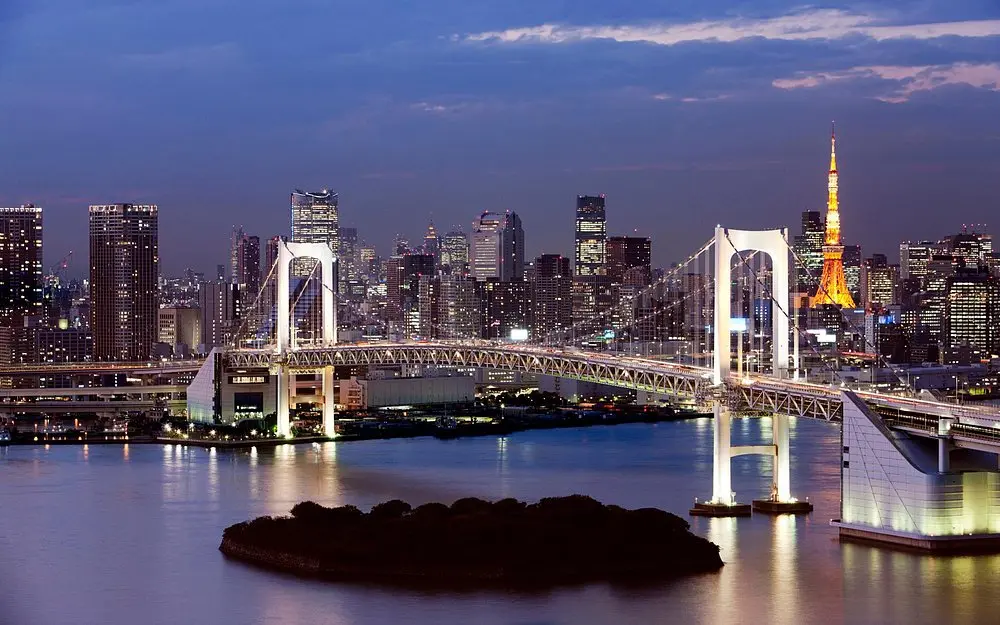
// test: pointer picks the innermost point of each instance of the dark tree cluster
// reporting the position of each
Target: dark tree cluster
(573, 539)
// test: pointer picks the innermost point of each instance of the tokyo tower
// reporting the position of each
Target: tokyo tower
(832, 286)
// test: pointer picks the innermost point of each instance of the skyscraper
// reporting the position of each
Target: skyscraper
(833, 287)
(245, 263)
(553, 298)
(629, 260)
(347, 262)
(220, 313)
(915, 257)
(485, 246)
(853, 260)
(316, 218)
(879, 280)
(432, 242)
(458, 308)
(124, 280)
(20, 278)
(20, 264)
(972, 316)
(808, 248)
(591, 231)
(505, 306)
(511, 248)
(454, 256)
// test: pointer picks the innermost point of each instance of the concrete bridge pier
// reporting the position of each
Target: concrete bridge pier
(781, 500)
(284, 390)
(723, 503)
(329, 414)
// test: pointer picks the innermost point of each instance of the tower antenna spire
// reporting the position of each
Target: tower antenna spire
(833, 285)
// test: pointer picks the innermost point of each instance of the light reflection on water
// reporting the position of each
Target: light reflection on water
(129, 534)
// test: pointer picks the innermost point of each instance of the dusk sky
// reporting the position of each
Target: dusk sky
(686, 113)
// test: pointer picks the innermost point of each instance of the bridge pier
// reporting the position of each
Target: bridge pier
(284, 389)
(329, 414)
(723, 503)
(781, 500)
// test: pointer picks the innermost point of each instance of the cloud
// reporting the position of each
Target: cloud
(906, 80)
(667, 97)
(811, 24)
(207, 57)
(439, 108)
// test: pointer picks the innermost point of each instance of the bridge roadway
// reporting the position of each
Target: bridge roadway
(167, 367)
(972, 427)
(97, 407)
(99, 399)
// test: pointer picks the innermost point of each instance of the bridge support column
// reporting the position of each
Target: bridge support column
(723, 499)
(722, 486)
(329, 415)
(782, 478)
(284, 416)
(781, 500)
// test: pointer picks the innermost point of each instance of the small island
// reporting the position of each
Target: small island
(476, 543)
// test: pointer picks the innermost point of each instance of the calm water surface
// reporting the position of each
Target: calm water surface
(112, 535)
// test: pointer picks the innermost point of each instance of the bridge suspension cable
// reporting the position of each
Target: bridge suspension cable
(870, 345)
(596, 322)
(781, 307)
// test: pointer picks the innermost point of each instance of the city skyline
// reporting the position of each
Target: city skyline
(691, 132)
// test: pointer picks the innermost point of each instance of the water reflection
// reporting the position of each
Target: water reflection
(158, 521)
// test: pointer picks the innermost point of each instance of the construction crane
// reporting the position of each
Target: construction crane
(55, 273)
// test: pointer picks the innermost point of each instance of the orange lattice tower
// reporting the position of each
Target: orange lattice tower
(832, 286)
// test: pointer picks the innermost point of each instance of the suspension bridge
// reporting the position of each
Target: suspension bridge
(915, 470)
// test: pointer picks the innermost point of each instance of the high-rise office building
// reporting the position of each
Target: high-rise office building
(220, 313)
(914, 258)
(411, 268)
(552, 300)
(124, 280)
(808, 248)
(394, 289)
(511, 248)
(454, 253)
(458, 309)
(879, 280)
(833, 287)
(432, 241)
(506, 306)
(629, 260)
(972, 316)
(428, 304)
(933, 300)
(21, 295)
(591, 232)
(180, 328)
(853, 262)
(347, 261)
(485, 252)
(244, 263)
(972, 249)
(316, 218)
(368, 264)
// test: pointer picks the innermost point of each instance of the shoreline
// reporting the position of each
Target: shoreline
(386, 430)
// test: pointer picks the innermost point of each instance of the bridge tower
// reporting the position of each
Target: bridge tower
(285, 342)
(729, 243)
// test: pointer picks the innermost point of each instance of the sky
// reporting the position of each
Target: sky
(686, 113)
